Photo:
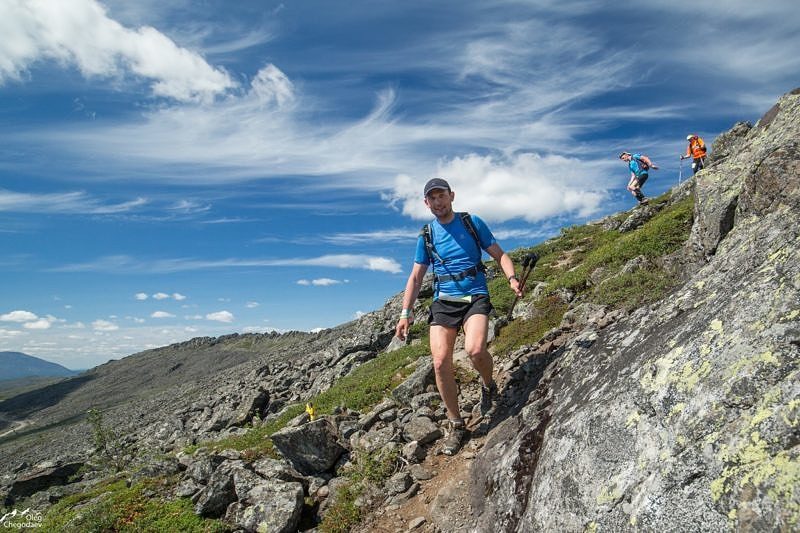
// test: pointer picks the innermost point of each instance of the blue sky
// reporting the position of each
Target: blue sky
(178, 169)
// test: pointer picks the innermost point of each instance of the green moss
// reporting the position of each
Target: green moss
(344, 513)
(367, 468)
(634, 289)
(547, 314)
(145, 506)
(661, 235)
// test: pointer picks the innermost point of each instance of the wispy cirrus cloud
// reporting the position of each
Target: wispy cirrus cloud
(63, 203)
(127, 264)
(321, 282)
(387, 235)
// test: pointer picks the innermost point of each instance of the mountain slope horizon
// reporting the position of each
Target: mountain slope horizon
(16, 365)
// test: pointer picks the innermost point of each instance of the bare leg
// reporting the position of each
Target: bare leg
(475, 329)
(442, 341)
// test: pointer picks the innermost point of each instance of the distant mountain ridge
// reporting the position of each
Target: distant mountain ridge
(16, 365)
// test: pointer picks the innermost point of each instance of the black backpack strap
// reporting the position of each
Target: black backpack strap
(466, 219)
(427, 237)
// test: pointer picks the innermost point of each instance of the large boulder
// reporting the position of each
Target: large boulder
(417, 383)
(312, 448)
(41, 478)
(213, 500)
(273, 506)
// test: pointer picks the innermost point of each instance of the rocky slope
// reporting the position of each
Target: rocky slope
(679, 416)
(683, 415)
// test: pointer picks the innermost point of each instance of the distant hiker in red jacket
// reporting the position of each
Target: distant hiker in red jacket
(697, 151)
(639, 165)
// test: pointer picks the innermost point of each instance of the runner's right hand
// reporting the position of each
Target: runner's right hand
(401, 331)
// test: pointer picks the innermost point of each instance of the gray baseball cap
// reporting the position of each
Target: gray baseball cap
(436, 183)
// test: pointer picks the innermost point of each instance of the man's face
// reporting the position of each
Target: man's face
(626, 157)
(440, 202)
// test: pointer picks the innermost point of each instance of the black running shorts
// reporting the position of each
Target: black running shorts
(453, 314)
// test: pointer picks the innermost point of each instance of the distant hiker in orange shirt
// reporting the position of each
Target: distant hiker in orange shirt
(639, 165)
(697, 151)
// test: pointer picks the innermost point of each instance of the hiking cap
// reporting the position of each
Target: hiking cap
(624, 153)
(436, 183)
(690, 136)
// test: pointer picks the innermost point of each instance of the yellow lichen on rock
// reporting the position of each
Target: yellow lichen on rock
(633, 419)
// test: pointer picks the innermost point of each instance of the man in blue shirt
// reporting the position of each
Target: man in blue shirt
(461, 299)
(639, 165)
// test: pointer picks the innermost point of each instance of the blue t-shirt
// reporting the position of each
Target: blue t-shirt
(454, 243)
(635, 165)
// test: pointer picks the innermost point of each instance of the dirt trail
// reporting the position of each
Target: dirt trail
(450, 476)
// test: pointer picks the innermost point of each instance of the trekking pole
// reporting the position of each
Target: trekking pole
(680, 172)
(528, 262)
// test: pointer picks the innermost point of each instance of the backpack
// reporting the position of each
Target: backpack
(427, 236)
(642, 165)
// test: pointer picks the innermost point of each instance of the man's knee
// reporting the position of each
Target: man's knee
(442, 364)
(476, 352)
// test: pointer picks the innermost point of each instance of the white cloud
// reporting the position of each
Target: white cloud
(122, 263)
(141, 296)
(221, 316)
(9, 333)
(18, 316)
(252, 305)
(42, 323)
(178, 296)
(161, 314)
(526, 186)
(104, 325)
(321, 282)
(271, 86)
(160, 296)
(324, 282)
(79, 33)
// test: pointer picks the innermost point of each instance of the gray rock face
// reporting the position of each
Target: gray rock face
(681, 416)
(416, 383)
(728, 143)
(273, 506)
(38, 479)
(214, 498)
(312, 448)
(421, 429)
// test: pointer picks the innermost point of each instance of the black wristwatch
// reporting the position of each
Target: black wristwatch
(512, 277)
